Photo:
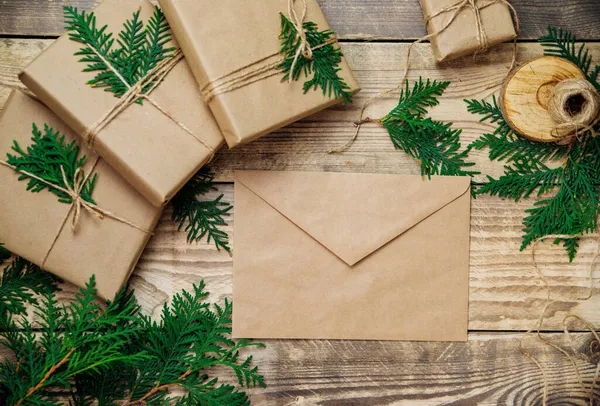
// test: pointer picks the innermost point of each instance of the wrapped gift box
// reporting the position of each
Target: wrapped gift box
(228, 42)
(461, 37)
(37, 227)
(149, 149)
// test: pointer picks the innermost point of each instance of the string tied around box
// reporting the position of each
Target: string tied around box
(78, 203)
(454, 9)
(141, 89)
(268, 66)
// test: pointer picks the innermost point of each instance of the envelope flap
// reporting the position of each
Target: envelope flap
(353, 215)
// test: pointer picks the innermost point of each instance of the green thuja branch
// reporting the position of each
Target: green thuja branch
(114, 354)
(433, 143)
(568, 176)
(558, 42)
(139, 49)
(21, 283)
(202, 217)
(323, 66)
(191, 338)
(47, 157)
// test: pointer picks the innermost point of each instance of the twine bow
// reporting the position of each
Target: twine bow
(298, 21)
(268, 66)
(456, 8)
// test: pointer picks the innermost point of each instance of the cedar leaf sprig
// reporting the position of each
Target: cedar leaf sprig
(45, 157)
(433, 143)
(21, 282)
(566, 175)
(323, 66)
(202, 217)
(80, 337)
(139, 48)
(114, 354)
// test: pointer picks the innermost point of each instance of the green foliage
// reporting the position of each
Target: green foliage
(139, 48)
(4, 253)
(45, 158)
(566, 175)
(563, 44)
(21, 282)
(114, 354)
(323, 66)
(202, 217)
(433, 143)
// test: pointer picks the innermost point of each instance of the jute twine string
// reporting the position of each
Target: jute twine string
(78, 203)
(482, 39)
(569, 122)
(538, 326)
(153, 78)
(255, 71)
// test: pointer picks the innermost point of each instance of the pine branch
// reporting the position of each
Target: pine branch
(433, 143)
(139, 49)
(504, 144)
(21, 282)
(202, 217)
(45, 158)
(323, 66)
(562, 44)
(80, 337)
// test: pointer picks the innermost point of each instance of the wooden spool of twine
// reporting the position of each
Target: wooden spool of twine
(549, 99)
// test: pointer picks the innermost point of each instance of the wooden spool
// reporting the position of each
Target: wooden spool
(527, 92)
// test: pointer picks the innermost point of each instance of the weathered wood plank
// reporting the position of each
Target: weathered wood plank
(487, 370)
(304, 145)
(352, 19)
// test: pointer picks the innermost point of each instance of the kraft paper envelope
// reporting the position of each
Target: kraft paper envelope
(351, 256)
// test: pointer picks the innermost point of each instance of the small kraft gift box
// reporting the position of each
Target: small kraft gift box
(261, 64)
(464, 27)
(64, 208)
(118, 80)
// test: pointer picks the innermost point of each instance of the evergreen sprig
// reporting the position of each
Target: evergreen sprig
(433, 143)
(21, 282)
(202, 217)
(568, 176)
(139, 48)
(46, 158)
(561, 43)
(116, 355)
(323, 66)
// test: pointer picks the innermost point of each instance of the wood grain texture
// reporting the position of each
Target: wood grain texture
(378, 66)
(352, 19)
(487, 370)
(505, 294)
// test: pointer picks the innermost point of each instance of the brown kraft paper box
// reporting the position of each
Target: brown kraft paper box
(106, 248)
(460, 38)
(220, 37)
(147, 148)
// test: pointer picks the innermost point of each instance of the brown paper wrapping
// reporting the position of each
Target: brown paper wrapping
(460, 38)
(351, 256)
(29, 222)
(219, 37)
(148, 149)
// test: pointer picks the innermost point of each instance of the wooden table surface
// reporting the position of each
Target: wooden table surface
(506, 296)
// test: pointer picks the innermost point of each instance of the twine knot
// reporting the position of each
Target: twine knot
(575, 107)
(79, 203)
(304, 48)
